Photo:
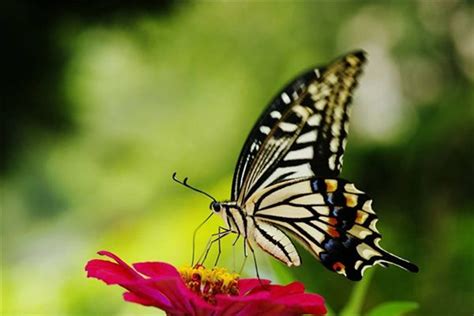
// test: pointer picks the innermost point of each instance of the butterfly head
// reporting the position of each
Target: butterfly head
(215, 206)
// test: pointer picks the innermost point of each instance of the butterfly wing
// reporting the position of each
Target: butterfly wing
(332, 219)
(307, 120)
(275, 242)
(284, 100)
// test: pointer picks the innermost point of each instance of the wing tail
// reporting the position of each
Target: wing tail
(389, 258)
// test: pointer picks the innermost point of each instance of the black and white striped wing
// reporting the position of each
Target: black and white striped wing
(303, 131)
(284, 100)
(330, 217)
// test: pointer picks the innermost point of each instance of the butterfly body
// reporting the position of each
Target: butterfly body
(287, 178)
(235, 217)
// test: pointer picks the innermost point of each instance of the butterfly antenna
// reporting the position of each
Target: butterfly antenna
(185, 183)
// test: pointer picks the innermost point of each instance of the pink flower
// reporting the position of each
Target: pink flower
(200, 291)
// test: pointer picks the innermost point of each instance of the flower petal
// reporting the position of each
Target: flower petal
(203, 308)
(156, 269)
(109, 272)
(119, 261)
(284, 290)
(160, 285)
(248, 285)
(143, 300)
(132, 297)
(113, 273)
(233, 305)
(174, 290)
(271, 300)
(159, 292)
(304, 303)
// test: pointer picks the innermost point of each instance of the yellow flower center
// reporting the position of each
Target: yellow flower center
(209, 282)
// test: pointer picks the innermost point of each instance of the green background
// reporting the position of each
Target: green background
(104, 101)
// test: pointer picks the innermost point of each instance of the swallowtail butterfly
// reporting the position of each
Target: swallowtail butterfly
(286, 181)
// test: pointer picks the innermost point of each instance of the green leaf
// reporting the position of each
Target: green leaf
(393, 309)
(356, 300)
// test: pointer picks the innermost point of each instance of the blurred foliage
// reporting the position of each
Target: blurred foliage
(355, 302)
(36, 60)
(393, 309)
(105, 100)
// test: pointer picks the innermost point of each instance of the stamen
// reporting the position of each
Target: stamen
(207, 283)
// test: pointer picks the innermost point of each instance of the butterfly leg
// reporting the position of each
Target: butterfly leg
(214, 237)
(219, 251)
(245, 255)
(222, 232)
(233, 251)
(255, 263)
(245, 247)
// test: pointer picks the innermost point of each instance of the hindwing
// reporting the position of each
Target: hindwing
(331, 218)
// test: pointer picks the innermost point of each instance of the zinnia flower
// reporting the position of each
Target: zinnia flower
(200, 291)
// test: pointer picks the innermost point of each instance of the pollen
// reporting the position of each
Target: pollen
(207, 283)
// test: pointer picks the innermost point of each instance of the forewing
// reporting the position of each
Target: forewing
(284, 100)
(306, 137)
(333, 220)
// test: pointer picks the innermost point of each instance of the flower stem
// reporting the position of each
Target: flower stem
(357, 298)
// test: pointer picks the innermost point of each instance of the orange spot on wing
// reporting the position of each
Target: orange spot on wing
(338, 266)
(331, 185)
(351, 199)
(361, 217)
(333, 232)
(332, 221)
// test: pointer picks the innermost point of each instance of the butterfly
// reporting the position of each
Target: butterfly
(287, 183)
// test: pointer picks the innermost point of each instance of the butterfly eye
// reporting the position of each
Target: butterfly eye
(216, 207)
